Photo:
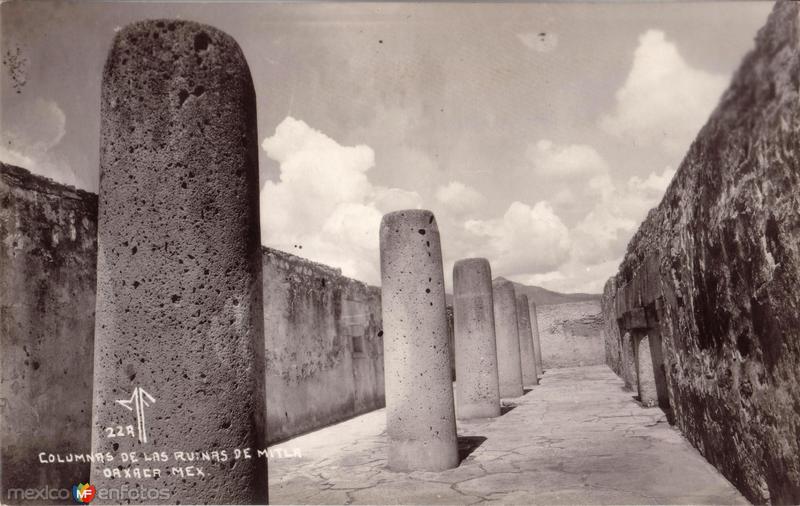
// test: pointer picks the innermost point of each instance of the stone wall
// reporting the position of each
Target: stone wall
(48, 245)
(571, 334)
(711, 278)
(324, 349)
(324, 345)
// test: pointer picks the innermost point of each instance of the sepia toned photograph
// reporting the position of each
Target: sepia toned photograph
(415, 253)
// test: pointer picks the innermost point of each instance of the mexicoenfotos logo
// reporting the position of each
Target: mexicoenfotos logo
(83, 493)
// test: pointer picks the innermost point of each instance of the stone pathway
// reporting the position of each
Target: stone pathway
(577, 438)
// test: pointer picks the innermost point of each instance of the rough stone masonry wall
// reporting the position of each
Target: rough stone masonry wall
(324, 350)
(715, 269)
(324, 345)
(571, 334)
(48, 246)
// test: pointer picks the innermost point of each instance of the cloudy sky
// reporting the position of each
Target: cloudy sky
(540, 134)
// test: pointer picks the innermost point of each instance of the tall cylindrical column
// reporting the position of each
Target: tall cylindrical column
(646, 384)
(537, 345)
(477, 384)
(420, 414)
(179, 340)
(530, 373)
(509, 366)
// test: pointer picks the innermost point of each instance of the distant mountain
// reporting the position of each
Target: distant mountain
(543, 296)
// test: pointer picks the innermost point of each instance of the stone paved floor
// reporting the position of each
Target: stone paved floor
(577, 438)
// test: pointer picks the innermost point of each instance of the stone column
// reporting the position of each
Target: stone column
(530, 372)
(537, 345)
(629, 359)
(420, 414)
(477, 388)
(509, 366)
(645, 374)
(179, 341)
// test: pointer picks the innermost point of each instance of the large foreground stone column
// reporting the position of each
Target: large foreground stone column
(509, 366)
(537, 345)
(530, 372)
(179, 330)
(477, 388)
(419, 392)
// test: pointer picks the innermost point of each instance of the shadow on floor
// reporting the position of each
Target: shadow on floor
(467, 445)
(505, 408)
(526, 390)
(670, 415)
(665, 407)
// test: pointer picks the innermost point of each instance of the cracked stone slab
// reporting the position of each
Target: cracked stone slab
(577, 438)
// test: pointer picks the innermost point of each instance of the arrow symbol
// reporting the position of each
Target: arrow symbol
(140, 399)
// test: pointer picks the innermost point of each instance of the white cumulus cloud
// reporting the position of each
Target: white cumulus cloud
(38, 126)
(525, 240)
(29, 131)
(600, 214)
(576, 175)
(565, 161)
(604, 232)
(459, 198)
(664, 101)
(324, 207)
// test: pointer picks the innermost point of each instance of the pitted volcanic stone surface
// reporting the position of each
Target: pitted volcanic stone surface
(179, 308)
(419, 395)
(530, 372)
(477, 383)
(509, 366)
(537, 346)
